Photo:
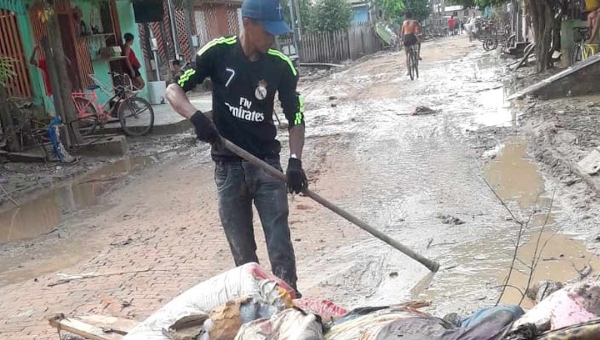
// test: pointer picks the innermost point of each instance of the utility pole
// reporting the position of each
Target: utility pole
(295, 30)
(173, 29)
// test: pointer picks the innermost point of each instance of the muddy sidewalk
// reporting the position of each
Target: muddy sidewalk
(561, 133)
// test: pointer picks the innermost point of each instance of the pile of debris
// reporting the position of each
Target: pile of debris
(247, 303)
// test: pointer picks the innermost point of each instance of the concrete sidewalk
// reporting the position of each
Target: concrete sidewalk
(166, 120)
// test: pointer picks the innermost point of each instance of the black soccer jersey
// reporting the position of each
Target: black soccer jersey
(244, 93)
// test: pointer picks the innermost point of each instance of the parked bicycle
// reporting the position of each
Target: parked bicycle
(26, 131)
(135, 114)
(413, 61)
(581, 50)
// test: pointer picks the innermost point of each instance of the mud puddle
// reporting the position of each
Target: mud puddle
(42, 214)
(496, 110)
(513, 176)
(559, 258)
(480, 266)
(544, 253)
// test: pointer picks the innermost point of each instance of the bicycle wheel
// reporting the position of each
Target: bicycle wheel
(411, 62)
(494, 44)
(416, 64)
(576, 54)
(86, 116)
(136, 116)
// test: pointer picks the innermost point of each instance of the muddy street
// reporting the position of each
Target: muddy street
(152, 223)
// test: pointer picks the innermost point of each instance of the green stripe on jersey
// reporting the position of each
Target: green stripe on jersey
(285, 58)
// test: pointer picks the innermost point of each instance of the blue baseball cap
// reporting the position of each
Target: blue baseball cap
(269, 13)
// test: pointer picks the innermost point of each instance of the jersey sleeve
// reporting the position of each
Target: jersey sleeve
(291, 101)
(205, 60)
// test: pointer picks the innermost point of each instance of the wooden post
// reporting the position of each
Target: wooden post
(62, 90)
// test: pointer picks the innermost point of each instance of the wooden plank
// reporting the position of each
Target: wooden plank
(61, 323)
(119, 325)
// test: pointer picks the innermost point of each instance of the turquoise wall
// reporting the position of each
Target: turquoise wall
(35, 75)
(128, 25)
(101, 68)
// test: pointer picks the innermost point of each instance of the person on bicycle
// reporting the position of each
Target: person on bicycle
(410, 30)
(245, 74)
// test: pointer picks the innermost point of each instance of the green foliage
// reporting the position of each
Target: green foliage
(393, 10)
(306, 15)
(419, 9)
(478, 3)
(330, 15)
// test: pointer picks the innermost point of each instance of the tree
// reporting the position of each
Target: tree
(306, 14)
(393, 10)
(478, 3)
(330, 15)
(546, 29)
(419, 9)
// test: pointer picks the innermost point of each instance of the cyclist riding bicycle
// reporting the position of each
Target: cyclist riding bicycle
(410, 30)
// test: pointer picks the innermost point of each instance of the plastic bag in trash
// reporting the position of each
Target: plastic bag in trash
(576, 303)
(249, 280)
(290, 324)
(410, 324)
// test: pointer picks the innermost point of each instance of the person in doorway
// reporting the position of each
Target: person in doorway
(410, 30)
(245, 75)
(37, 59)
(132, 64)
(592, 9)
(174, 71)
(451, 23)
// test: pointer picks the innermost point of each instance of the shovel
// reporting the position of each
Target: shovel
(431, 265)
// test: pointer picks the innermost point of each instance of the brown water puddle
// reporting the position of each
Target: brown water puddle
(518, 180)
(560, 259)
(42, 214)
(513, 176)
(31, 265)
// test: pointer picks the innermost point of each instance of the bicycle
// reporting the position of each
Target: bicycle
(580, 50)
(135, 114)
(413, 61)
(26, 131)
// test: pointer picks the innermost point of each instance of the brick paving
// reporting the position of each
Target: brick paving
(169, 213)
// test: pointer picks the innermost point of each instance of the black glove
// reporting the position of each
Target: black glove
(296, 178)
(205, 129)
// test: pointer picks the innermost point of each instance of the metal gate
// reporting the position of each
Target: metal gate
(216, 20)
(11, 46)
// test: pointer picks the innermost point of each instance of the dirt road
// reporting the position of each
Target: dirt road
(418, 177)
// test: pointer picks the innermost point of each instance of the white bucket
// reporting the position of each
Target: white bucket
(156, 91)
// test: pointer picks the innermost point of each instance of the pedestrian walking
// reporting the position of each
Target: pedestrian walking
(246, 73)
(451, 23)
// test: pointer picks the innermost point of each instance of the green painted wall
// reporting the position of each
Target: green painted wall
(35, 74)
(567, 39)
(128, 25)
(101, 68)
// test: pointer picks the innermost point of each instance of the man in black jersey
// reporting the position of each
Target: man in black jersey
(245, 75)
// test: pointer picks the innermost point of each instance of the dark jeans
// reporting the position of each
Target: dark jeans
(240, 183)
